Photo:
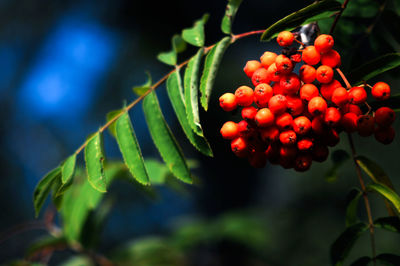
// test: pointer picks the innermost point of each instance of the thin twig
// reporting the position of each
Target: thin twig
(343, 78)
(338, 16)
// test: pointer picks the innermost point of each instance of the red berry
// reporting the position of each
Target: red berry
(288, 137)
(307, 73)
(228, 101)
(267, 59)
(384, 117)
(273, 74)
(323, 43)
(305, 144)
(318, 126)
(308, 91)
(381, 91)
(357, 95)
(283, 64)
(248, 113)
(365, 125)
(244, 128)
(310, 55)
(251, 66)
(340, 96)
(269, 134)
(284, 121)
(288, 152)
(262, 93)
(260, 76)
(239, 147)
(272, 153)
(302, 162)
(295, 105)
(317, 106)
(331, 58)
(264, 117)
(290, 83)
(349, 122)
(324, 74)
(332, 116)
(285, 38)
(244, 96)
(258, 159)
(332, 138)
(301, 125)
(327, 89)
(351, 108)
(230, 130)
(277, 88)
(277, 104)
(385, 135)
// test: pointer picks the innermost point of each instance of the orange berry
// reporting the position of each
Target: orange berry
(290, 83)
(351, 108)
(301, 125)
(324, 74)
(340, 96)
(317, 106)
(269, 134)
(249, 112)
(267, 59)
(349, 122)
(260, 76)
(305, 144)
(228, 101)
(357, 95)
(295, 105)
(381, 91)
(244, 96)
(365, 125)
(307, 73)
(230, 130)
(277, 88)
(327, 89)
(283, 64)
(273, 74)
(323, 43)
(332, 116)
(285, 38)
(308, 91)
(288, 137)
(318, 126)
(331, 58)
(239, 146)
(284, 121)
(385, 135)
(277, 104)
(251, 66)
(262, 93)
(264, 117)
(310, 55)
(302, 162)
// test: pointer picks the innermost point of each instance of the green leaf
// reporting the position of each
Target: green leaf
(374, 67)
(56, 197)
(78, 261)
(314, 12)
(230, 12)
(48, 243)
(210, 70)
(68, 168)
(164, 140)
(130, 149)
(352, 204)
(174, 89)
(191, 92)
(178, 44)
(363, 261)
(43, 188)
(391, 223)
(111, 115)
(94, 158)
(344, 243)
(195, 35)
(142, 89)
(168, 58)
(388, 259)
(386, 192)
(158, 171)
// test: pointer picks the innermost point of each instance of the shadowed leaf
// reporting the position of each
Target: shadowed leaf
(43, 188)
(141, 89)
(386, 192)
(352, 203)
(230, 12)
(195, 35)
(94, 158)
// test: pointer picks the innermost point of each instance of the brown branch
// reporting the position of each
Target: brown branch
(343, 78)
(338, 17)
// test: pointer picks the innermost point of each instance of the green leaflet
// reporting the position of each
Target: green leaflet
(386, 192)
(165, 142)
(374, 67)
(314, 12)
(68, 168)
(210, 70)
(141, 89)
(230, 12)
(130, 149)
(168, 58)
(110, 115)
(391, 223)
(178, 44)
(191, 92)
(174, 89)
(195, 35)
(94, 158)
(43, 188)
(352, 204)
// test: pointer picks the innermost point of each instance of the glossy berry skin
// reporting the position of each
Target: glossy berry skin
(290, 83)
(349, 122)
(284, 121)
(288, 137)
(310, 55)
(251, 66)
(323, 43)
(244, 96)
(381, 91)
(384, 117)
(239, 147)
(331, 58)
(308, 91)
(277, 104)
(270, 134)
(264, 117)
(305, 144)
(277, 88)
(283, 64)
(320, 153)
(365, 125)
(248, 113)
(262, 93)
(273, 74)
(228, 102)
(324, 74)
(307, 73)
(357, 95)
(328, 89)
(317, 106)
(302, 162)
(244, 128)
(340, 96)
(384, 135)
(351, 108)
(260, 76)
(332, 116)
(302, 125)
(295, 105)
(230, 130)
(285, 38)
(267, 59)
(318, 125)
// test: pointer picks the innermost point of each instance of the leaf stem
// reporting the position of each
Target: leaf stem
(343, 78)
(338, 16)
(159, 82)
(365, 196)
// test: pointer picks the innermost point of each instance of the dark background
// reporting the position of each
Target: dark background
(65, 64)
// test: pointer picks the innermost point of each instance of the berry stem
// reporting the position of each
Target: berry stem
(299, 42)
(338, 17)
(343, 78)
(365, 196)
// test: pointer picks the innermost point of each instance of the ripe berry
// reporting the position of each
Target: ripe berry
(228, 102)
(384, 116)
(351, 108)
(324, 74)
(301, 125)
(381, 91)
(340, 96)
(273, 74)
(288, 137)
(305, 144)
(310, 55)
(248, 113)
(260, 76)
(244, 128)
(385, 135)
(357, 95)
(349, 122)
(283, 64)
(288, 153)
(267, 59)
(284, 121)
(264, 117)
(244, 96)
(331, 58)
(320, 153)
(332, 116)
(302, 162)
(295, 105)
(262, 93)
(258, 159)
(230, 130)
(323, 43)
(239, 147)
(270, 134)
(365, 125)
(285, 38)
(318, 126)
(307, 73)
(290, 83)
(327, 89)
(277, 88)
(317, 106)
(277, 104)
(308, 91)
(251, 66)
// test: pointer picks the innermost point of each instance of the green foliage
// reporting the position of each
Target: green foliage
(230, 12)
(43, 188)
(142, 89)
(352, 203)
(171, 57)
(94, 158)
(195, 35)
(387, 193)
(391, 223)
(47, 242)
(110, 116)
(68, 168)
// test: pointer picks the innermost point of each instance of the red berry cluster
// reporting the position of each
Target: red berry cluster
(291, 119)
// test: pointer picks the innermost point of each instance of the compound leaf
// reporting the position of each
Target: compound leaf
(141, 89)
(168, 58)
(178, 44)
(391, 223)
(68, 168)
(43, 188)
(94, 158)
(111, 115)
(386, 192)
(230, 12)
(195, 35)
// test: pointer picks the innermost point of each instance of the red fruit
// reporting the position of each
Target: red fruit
(277, 104)
(262, 93)
(269, 134)
(264, 117)
(331, 58)
(295, 105)
(349, 122)
(288, 137)
(285, 38)
(250, 67)
(307, 73)
(244, 96)
(277, 88)
(301, 125)
(228, 102)
(318, 126)
(288, 152)
(284, 121)
(324, 74)
(273, 74)
(302, 162)
(327, 89)
(296, 58)
(248, 113)
(317, 106)
(332, 116)
(290, 83)
(239, 147)
(244, 128)
(381, 91)
(230, 130)
(385, 135)
(323, 43)
(308, 91)
(283, 64)
(258, 159)
(365, 125)
(310, 55)
(267, 59)
(351, 108)
(384, 117)
(260, 76)
(357, 95)
(305, 144)
(320, 153)
(340, 96)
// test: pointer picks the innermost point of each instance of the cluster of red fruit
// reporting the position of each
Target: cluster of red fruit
(291, 119)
